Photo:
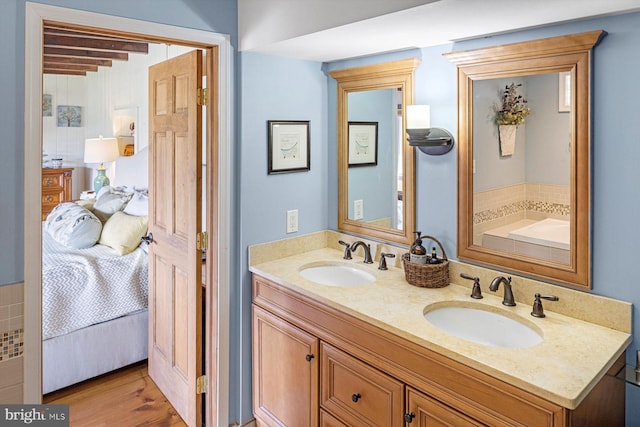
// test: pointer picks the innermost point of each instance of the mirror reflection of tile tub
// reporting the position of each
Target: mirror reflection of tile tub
(548, 232)
(548, 239)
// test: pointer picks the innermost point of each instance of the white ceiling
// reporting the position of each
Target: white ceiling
(431, 24)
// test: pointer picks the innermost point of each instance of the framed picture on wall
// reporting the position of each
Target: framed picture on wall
(69, 116)
(363, 143)
(289, 146)
(47, 105)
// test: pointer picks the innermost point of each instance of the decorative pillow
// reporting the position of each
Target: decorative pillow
(122, 232)
(73, 226)
(109, 202)
(87, 203)
(138, 205)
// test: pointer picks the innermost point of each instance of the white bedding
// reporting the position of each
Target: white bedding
(82, 287)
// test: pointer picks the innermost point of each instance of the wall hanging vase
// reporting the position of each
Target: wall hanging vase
(507, 135)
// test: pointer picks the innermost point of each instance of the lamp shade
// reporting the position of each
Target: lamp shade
(418, 116)
(100, 150)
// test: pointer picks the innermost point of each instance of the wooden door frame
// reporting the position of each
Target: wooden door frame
(218, 128)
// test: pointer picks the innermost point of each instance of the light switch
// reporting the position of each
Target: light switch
(292, 221)
(358, 209)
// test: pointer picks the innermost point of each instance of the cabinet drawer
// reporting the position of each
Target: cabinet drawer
(328, 420)
(356, 393)
(52, 181)
(425, 411)
(52, 198)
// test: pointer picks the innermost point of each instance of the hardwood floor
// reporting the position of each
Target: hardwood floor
(125, 398)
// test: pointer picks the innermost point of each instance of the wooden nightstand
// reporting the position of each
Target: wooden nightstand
(56, 188)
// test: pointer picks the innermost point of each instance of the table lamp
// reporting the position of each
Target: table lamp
(100, 150)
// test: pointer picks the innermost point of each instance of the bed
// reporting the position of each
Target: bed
(94, 299)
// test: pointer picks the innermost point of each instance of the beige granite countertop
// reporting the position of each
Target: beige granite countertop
(563, 368)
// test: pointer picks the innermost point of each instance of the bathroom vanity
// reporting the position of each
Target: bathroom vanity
(365, 355)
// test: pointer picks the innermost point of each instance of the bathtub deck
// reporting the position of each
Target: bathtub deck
(498, 239)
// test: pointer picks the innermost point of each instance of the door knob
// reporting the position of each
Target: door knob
(147, 238)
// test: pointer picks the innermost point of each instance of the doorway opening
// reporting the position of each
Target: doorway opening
(217, 128)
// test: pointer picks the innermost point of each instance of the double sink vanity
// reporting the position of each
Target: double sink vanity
(362, 348)
(339, 342)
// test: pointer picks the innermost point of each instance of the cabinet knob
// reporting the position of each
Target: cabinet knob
(356, 397)
(409, 417)
(309, 357)
(49, 198)
(48, 181)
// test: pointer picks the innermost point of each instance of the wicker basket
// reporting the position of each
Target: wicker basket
(427, 275)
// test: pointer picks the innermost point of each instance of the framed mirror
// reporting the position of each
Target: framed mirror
(376, 166)
(524, 199)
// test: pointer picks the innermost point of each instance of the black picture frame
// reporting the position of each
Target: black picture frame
(363, 144)
(289, 146)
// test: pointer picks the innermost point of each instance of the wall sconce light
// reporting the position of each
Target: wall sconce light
(433, 141)
(100, 150)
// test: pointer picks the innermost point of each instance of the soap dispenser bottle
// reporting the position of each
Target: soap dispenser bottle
(417, 253)
(433, 259)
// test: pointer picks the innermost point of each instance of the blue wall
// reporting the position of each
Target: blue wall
(274, 88)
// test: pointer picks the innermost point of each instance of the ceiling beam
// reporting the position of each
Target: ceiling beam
(71, 67)
(78, 53)
(99, 44)
(52, 59)
(69, 51)
(64, 72)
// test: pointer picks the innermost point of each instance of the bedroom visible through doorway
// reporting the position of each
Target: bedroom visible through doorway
(102, 331)
(41, 15)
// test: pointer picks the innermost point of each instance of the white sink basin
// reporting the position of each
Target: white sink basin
(336, 275)
(475, 323)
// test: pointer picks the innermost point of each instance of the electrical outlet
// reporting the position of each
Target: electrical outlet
(358, 209)
(292, 221)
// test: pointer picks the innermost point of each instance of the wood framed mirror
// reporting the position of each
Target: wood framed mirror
(376, 166)
(528, 210)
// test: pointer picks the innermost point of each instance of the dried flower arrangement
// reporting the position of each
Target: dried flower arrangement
(513, 110)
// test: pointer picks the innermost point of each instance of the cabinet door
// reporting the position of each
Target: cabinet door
(424, 411)
(358, 394)
(285, 373)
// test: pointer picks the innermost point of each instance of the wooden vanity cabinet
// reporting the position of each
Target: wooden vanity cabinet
(285, 373)
(393, 376)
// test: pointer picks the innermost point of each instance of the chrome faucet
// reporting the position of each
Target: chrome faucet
(508, 293)
(367, 250)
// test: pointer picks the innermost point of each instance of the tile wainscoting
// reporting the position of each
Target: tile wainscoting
(11, 343)
(503, 206)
